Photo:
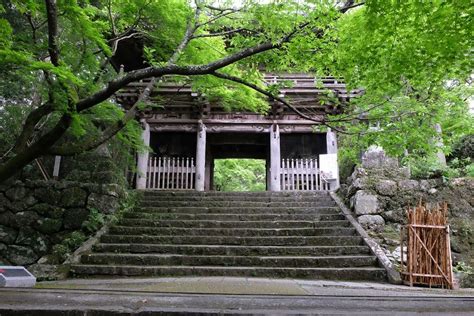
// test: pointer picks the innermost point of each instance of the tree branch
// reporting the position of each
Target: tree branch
(274, 97)
(188, 35)
(193, 70)
(219, 33)
(29, 126)
(52, 15)
(111, 131)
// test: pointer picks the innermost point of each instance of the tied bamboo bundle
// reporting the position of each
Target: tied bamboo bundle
(428, 246)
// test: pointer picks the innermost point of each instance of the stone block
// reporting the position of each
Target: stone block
(372, 222)
(50, 225)
(375, 157)
(7, 234)
(408, 185)
(16, 193)
(386, 187)
(74, 217)
(33, 239)
(425, 185)
(73, 197)
(394, 216)
(27, 218)
(21, 255)
(365, 203)
(103, 203)
(48, 195)
(4, 203)
(47, 210)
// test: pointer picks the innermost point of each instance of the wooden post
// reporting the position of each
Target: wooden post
(331, 145)
(57, 165)
(275, 158)
(200, 156)
(142, 162)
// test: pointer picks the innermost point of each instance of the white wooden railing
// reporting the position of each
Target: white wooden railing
(302, 175)
(171, 173)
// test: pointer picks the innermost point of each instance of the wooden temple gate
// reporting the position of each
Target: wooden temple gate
(182, 133)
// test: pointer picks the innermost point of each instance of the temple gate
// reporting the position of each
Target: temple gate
(188, 133)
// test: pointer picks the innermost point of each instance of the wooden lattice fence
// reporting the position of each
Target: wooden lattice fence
(426, 238)
(171, 173)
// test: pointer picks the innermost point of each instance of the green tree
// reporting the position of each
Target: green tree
(60, 51)
(414, 61)
(58, 84)
(239, 175)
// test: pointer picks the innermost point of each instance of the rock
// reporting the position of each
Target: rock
(375, 157)
(73, 218)
(20, 255)
(358, 184)
(50, 225)
(47, 272)
(386, 187)
(425, 185)
(394, 216)
(8, 219)
(16, 193)
(48, 195)
(33, 239)
(372, 222)
(73, 197)
(432, 191)
(408, 185)
(7, 234)
(4, 203)
(27, 218)
(365, 203)
(103, 203)
(47, 210)
(397, 253)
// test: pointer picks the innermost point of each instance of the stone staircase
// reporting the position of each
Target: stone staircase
(277, 235)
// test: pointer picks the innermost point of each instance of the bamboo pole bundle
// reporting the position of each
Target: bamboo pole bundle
(428, 246)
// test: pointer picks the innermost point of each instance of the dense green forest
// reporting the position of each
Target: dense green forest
(413, 59)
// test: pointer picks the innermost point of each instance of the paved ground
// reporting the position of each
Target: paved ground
(229, 296)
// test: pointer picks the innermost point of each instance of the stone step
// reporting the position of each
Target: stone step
(237, 240)
(239, 210)
(239, 204)
(230, 224)
(200, 250)
(256, 261)
(349, 274)
(235, 216)
(192, 199)
(238, 232)
(184, 194)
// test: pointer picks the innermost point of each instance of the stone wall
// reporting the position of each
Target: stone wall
(36, 215)
(379, 192)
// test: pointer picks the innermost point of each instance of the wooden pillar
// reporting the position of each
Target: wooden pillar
(275, 158)
(142, 161)
(331, 159)
(200, 157)
(331, 142)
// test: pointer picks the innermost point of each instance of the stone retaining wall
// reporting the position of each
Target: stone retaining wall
(379, 192)
(36, 215)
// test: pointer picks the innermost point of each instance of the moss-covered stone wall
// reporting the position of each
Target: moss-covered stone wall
(37, 215)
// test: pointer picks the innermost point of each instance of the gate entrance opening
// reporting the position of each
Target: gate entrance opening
(241, 175)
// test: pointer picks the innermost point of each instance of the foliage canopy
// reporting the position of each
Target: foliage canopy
(57, 82)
